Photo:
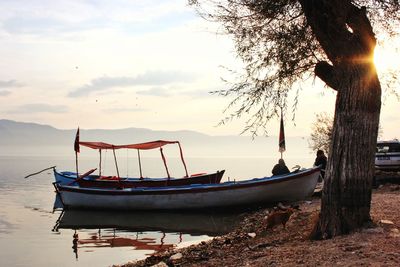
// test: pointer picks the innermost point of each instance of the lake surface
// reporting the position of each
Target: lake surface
(32, 234)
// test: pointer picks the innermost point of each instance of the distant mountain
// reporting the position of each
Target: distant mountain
(31, 135)
(22, 133)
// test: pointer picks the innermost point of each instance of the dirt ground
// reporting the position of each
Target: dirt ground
(252, 245)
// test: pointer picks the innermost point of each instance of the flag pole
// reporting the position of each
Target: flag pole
(76, 148)
(76, 164)
(282, 145)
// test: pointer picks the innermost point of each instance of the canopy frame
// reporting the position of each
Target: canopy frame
(139, 146)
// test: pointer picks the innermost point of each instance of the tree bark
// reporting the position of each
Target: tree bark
(346, 196)
(345, 34)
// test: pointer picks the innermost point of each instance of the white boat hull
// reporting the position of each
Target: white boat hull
(263, 190)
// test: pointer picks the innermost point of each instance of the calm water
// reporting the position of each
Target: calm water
(31, 234)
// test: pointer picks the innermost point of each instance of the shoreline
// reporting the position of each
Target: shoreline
(290, 246)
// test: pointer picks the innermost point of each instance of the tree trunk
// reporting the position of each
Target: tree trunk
(346, 36)
(346, 197)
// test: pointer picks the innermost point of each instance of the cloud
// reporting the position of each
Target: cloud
(58, 17)
(5, 93)
(155, 91)
(150, 78)
(9, 84)
(122, 110)
(198, 93)
(178, 90)
(18, 25)
(159, 21)
(50, 26)
(40, 108)
(203, 92)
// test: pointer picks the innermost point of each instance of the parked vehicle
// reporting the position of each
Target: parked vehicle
(387, 157)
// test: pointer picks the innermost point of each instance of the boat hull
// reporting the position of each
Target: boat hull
(68, 178)
(229, 194)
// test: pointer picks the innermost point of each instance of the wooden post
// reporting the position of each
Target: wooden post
(140, 164)
(116, 164)
(32, 174)
(165, 162)
(100, 163)
(183, 160)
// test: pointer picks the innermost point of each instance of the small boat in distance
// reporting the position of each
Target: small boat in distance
(290, 187)
(89, 179)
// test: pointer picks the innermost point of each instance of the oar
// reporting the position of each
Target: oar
(53, 167)
(80, 177)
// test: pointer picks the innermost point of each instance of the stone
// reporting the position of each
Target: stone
(395, 230)
(160, 264)
(394, 235)
(252, 235)
(176, 257)
(387, 222)
(281, 206)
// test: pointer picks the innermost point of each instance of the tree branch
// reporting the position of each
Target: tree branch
(358, 21)
(326, 72)
(328, 23)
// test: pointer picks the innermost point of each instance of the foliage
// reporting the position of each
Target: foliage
(278, 49)
(321, 132)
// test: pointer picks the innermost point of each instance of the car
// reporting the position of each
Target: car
(387, 156)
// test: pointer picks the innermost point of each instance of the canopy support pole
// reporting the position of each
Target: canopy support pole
(183, 161)
(140, 164)
(116, 164)
(100, 163)
(165, 162)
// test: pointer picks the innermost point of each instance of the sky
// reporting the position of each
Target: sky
(143, 63)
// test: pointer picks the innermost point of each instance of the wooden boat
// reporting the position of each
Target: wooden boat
(90, 180)
(68, 178)
(290, 187)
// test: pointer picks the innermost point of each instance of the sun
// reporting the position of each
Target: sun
(387, 58)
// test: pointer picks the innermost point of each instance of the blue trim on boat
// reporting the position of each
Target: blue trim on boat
(194, 188)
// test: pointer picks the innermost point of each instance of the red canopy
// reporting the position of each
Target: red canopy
(142, 146)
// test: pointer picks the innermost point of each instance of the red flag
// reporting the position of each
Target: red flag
(282, 145)
(76, 144)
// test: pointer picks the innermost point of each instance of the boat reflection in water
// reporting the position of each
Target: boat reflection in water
(147, 231)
